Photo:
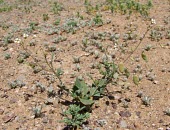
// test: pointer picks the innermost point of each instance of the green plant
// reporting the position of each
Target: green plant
(57, 72)
(8, 39)
(40, 86)
(156, 35)
(7, 56)
(84, 94)
(129, 6)
(146, 100)
(51, 91)
(5, 8)
(57, 22)
(33, 25)
(76, 59)
(109, 70)
(16, 83)
(37, 111)
(75, 117)
(45, 17)
(59, 39)
(80, 93)
(57, 7)
(1, 1)
(98, 20)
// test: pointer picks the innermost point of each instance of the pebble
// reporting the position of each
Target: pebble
(124, 113)
(8, 118)
(45, 120)
(1, 111)
(123, 124)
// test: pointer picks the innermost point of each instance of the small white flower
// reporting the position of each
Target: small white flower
(25, 35)
(17, 40)
(153, 21)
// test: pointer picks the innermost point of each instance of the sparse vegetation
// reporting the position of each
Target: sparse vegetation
(84, 65)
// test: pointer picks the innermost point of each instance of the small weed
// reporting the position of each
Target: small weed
(5, 8)
(40, 86)
(129, 6)
(37, 111)
(57, 7)
(98, 20)
(146, 100)
(156, 35)
(76, 59)
(59, 39)
(7, 56)
(33, 25)
(16, 83)
(50, 91)
(8, 39)
(45, 17)
(57, 22)
(75, 117)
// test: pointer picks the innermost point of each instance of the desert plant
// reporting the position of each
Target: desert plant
(37, 111)
(75, 117)
(129, 6)
(16, 83)
(98, 20)
(7, 56)
(45, 17)
(57, 7)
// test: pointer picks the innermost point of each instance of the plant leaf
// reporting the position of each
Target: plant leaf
(121, 68)
(136, 79)
(86, 101)
(144, 57)
(127, 73)
(92, 91)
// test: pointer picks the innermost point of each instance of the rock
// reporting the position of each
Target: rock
(8, 118)
(138, 114)
(114, 105)
(13, 100)
(123, 124)
(97, 128)
(1, 111)
(124, 113)
(45, 120)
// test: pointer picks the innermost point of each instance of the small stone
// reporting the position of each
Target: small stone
(1, 111)
(124, 113)
(13, 100)
(45, 120)
(155, 82)
(138, 113)
(114, 105)
(123, 124)
(153, 124)
(97, 128)
(168, 128)
(8, 118)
